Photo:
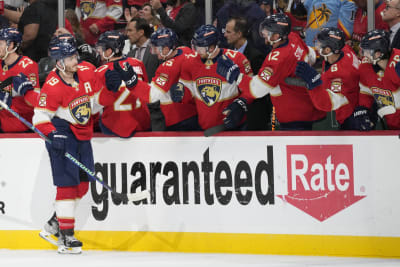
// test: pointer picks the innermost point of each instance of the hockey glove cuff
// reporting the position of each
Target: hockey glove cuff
(128, 75)
(113, 80)
(177, 92)
(228, 69)
(22, 84)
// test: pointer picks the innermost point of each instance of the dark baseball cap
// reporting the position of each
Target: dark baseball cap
(265, 2)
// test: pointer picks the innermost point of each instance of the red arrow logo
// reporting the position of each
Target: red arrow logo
(320, 179)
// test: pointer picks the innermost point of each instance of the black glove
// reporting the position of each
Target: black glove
(360, 120)
(228, 69)
(177, 92)
(58, 142)
(308, 74)
(234, 113)
(128, 75)
(113, 80)
(22, 84)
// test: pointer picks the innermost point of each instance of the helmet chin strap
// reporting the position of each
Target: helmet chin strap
(9, 52)
(63, 66)
(325, 55)
(108, 58)
(167, 55)
(210, 54)
(274, 42)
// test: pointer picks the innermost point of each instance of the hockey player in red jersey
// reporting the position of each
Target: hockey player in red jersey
(123, 113)
(64, 113)
(166, 114)
(375, 52)
(338, 87)
(97, 17)
(218, 100)
(293, 105)
(22, 94)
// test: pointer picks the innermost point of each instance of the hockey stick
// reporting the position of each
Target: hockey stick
(124, 197)
(214, 130)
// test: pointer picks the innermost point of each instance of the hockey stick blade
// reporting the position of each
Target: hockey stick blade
(214, 130)
(47, 236)
(295, 81)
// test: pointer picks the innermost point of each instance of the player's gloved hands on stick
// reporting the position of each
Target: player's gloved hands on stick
(177, 92)
(22, 84)
(308, 74)
(128, 75)
(234, 113)
(58, 142)
(228, 69)
(113, 80)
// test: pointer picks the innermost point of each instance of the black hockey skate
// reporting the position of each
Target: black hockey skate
(51, 231)
(68, 244)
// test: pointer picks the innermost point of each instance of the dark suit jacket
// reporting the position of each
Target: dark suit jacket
(259, 112)
(150, 62)
(396, 41)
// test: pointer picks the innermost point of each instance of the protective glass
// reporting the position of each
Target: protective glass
(155, 50)
(199, 49)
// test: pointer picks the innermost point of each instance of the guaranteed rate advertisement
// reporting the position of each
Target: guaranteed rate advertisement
(307, 185)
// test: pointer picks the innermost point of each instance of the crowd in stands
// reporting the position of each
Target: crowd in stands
(261, 65)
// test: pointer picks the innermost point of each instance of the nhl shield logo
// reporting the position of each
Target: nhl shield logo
(87, 7)
(209, 89)
(80, 109)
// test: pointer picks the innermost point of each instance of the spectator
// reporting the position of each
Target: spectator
(138, 32)
(391, 15)
(236, 30)
(360, 27)
(266, 6)
(182, 19)
(37, 24)
(329, 13)
(97, 17)
(70, 15)
(148, 13)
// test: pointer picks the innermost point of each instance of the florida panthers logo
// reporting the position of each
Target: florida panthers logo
(209, 89)
(87, 7)
(80, 109)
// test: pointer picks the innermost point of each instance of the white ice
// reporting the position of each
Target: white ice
(43, 258)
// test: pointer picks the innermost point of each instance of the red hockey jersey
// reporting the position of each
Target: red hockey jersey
(292, 103)
(123, 113)
(167, 74)
(23, 105)
(74, 104)
(340, 87)
(370, 81)
(211, 92)
(391, 81)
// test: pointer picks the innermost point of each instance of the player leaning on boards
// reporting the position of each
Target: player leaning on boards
(63, 113)
(123, 113)
(218, 100)
(293, 105)
(337, 88)
(21, 95)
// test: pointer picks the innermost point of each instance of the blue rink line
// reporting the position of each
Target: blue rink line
(44, 258)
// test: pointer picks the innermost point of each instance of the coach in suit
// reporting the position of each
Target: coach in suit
(138, 32)
(236, 32)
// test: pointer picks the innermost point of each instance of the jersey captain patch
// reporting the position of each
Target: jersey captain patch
(80, 109)
(209, 89)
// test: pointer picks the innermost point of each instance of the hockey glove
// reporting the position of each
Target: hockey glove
(234, 113)
(156, 116)
(128, 75)
(360, 120)
(58, 141)
(6, 98)
(22, 84)
(228, 69)
(177, 92)
(113, 80)
(308, 74)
